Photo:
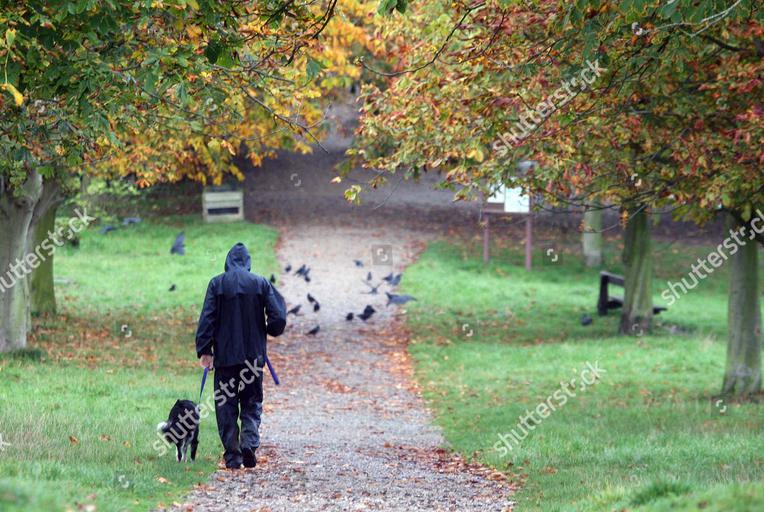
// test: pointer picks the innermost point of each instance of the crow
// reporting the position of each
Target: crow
(358, 263)
(179, 246)
(389, 277)
(314, 331)
(307, 278)
(295, 310)
(106, 229)
(172, 288)
(306, 275)
(586, 320)
(349, 317)
(311, 298)
(368, 276)
(367, 312)
(373, 290)
(130, 220)
(396, 280)
(273, 279)
(398, 299)
(300, 271)
(316, 307)
(288, 268)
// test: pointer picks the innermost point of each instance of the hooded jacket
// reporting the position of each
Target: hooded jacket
(240, 308)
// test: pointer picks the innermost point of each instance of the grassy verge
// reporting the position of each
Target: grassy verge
(80, 409)
(492, 342)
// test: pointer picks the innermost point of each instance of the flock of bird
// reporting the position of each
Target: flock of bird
(391, 279)
(179, 248)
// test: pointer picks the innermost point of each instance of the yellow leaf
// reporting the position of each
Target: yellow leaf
(17, 96)
(336, 179)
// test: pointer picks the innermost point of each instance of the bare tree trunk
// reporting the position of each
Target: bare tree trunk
(592, 237)
(41, 287)
(742, 375)
(43, 298)
(637, 314)
(16, 210)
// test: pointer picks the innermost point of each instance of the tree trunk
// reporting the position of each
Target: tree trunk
(742, 375)
(592, 237)
(43, 297)
(16, 212)
(637, 315)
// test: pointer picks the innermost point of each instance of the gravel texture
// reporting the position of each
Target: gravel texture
(347, 429)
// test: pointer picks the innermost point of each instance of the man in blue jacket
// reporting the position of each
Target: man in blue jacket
(239, 310)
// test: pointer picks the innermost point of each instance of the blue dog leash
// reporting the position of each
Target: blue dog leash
(204, 379)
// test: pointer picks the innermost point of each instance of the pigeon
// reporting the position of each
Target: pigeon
(273, 279)
(301, 271)
(294, 310)
(106, 229)
(392, 298)
(586, 320)
(288, 268)
(389, 277)
(314, 331)
(172, 288)
(179, 246)
(368, 276)
(127, 221)
(316, 307)
(349, 317)
(358, 263)
(311, 298)
(373, 290)
(367, 312)
(396, 280)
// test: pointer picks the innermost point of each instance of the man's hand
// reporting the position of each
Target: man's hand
(206, 361)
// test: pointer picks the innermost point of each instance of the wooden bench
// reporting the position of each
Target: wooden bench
(606, 302)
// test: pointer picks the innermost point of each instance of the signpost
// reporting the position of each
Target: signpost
(506, 201)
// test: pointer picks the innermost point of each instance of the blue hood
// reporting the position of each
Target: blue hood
(238, 258)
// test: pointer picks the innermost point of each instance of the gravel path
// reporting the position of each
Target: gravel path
(347, 429)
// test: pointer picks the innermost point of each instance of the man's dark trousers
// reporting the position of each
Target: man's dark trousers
(238, 395)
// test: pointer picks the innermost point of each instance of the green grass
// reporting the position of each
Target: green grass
(80, 408)
(648, 435)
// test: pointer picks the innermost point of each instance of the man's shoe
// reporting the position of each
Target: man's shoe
(248, 457)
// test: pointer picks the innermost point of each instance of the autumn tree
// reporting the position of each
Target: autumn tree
(86, 82)
(672, 121)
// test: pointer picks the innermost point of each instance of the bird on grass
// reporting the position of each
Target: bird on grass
(586, 320)
(106, 229)
(311, 298)
(127, 221)
(358, 263)
(314, 331)
(368, 311)
(179, 246)
(294, 310)
(349, 317)
(272, 279)
(172, 288)
(393, 298)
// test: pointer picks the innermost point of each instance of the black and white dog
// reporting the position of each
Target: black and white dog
(182, 428)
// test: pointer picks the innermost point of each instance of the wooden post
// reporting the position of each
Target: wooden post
(486, 239)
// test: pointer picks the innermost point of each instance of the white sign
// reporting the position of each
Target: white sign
(513, 199)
